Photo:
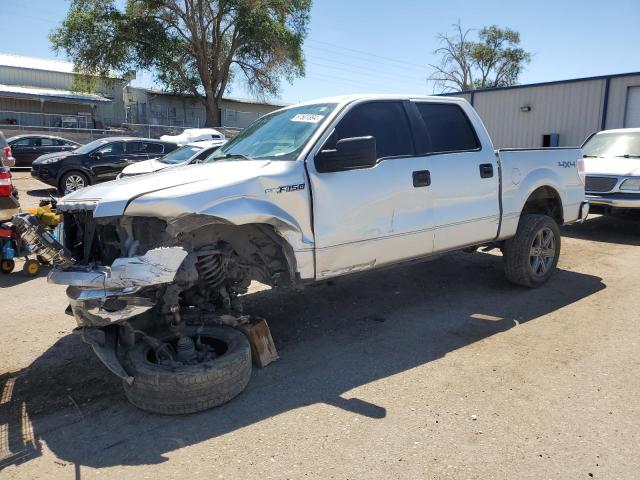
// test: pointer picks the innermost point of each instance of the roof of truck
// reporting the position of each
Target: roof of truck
(344, 99)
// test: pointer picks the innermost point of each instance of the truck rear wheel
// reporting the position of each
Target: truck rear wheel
(531, 257)
(189, 388)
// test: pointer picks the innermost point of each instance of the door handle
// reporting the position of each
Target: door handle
(421, 178)
(486, 170)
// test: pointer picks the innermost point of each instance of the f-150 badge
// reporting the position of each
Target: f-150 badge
(285, 188)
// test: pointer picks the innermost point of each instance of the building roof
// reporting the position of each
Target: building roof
(31, 63)
(42, 64)
(154, 91)
(542, 84)
(16, 91)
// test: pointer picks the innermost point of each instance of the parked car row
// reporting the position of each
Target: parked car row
(69, 166)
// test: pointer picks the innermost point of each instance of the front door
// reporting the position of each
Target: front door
(372, 216)
(108, 161)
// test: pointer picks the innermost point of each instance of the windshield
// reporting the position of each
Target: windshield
(278, 136)
(180, 155)
(91, 146)
(614, 144)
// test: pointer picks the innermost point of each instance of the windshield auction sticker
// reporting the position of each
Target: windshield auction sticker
(307, 118)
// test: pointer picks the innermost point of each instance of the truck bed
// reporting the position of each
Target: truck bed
(526, 170)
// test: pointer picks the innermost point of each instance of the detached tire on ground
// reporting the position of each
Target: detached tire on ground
(190, 388)
(531, 257)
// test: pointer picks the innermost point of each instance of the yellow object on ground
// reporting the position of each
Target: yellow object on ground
(46, 216)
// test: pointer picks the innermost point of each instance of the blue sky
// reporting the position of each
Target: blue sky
(387, 46)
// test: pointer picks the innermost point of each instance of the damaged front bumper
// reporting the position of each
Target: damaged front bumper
(100, 296)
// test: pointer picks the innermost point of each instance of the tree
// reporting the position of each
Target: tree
(194, 47)
(495, 60)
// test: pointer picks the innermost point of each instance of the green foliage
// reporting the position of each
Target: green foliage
(494, 60)
(193, 46)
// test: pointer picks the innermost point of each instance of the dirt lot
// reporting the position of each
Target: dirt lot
(436, 370)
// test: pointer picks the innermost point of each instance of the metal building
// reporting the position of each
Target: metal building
(37, 92)
(163, 108)
(561, 113)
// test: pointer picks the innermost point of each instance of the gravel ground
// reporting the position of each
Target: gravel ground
(436, 370)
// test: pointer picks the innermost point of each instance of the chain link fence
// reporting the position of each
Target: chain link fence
(84, 128)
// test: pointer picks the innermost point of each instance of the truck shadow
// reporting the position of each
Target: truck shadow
(332, 338)
(606, 229)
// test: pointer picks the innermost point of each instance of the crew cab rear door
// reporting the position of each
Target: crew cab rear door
(382, 214)
(464, 174)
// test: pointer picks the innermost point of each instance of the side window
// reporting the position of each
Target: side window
(47, 142)
(116, 148)
(385, 121)
(23, 142)
(152, 148)
(448, 128)
(205, 153)
(134, 147)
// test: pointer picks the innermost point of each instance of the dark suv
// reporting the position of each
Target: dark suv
(99, 161)
(26, 148)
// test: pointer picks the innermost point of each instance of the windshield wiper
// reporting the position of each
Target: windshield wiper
(590, 156)
(627, 156)
(228, 156)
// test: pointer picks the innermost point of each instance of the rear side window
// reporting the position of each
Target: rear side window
(448, 128)
(385, 121)
(47, 142)
(152, 148)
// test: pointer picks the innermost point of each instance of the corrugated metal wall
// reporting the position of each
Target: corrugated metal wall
(572, 110)
(618, 91)
(35, 78)
(167, 109)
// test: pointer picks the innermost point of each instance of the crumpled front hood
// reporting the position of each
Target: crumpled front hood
(146, 166)
(112, 198)
(615, 166)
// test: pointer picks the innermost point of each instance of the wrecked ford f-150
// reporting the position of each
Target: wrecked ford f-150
(156, 265)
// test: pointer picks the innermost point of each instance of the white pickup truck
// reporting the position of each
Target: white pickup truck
(156, 263)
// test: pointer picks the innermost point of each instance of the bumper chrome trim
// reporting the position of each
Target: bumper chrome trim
(104, 295)
(615, 202)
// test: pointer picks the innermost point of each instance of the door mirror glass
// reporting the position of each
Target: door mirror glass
(349, 154)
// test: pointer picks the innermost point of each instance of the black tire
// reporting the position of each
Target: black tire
(520, 252)
(73, 177)
(189, 388)
(7, 266)
(31, 267)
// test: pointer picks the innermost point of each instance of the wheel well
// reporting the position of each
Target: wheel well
(545, 200)
(269, 255)
(73, 170)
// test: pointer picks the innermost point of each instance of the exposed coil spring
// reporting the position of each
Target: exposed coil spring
(212, 268)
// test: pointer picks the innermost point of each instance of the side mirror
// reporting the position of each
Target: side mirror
(350, 154)
(97, 155)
